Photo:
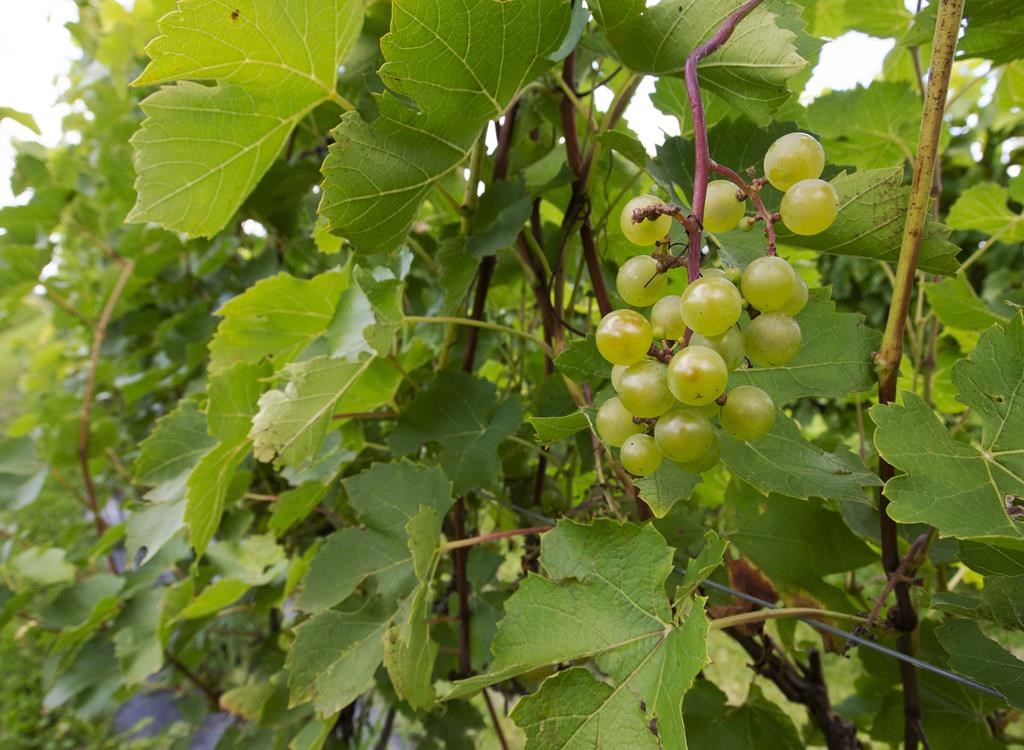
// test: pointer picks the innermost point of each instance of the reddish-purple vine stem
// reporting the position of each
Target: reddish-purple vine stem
(702, 160)
(753, 192)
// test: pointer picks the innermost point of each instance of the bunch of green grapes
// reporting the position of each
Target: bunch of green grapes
(671, 367)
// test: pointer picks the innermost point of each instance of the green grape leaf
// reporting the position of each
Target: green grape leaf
(202, 149)
(219, 594)
(1003, 596)
(233, 397)
(176, 443)
(956, 305)
(750, 71)
(335, 655)
(503, 209)
(207, 490)
(870, 127)
(974, 655)
(990, 32)
(386, 497)
(872, 210)
(784, 461)
(553, 429)
(703, 565)
(275, 319)
(666, 487)
(960, 488)
(758, 724)
(294, 505)
(793, 540)
(834, 361)
(990, 560)
(293, 421)
(627, 145)
(20, 266)
(22, 118)
(603, 596)
(385, 298)
(581, 362)
(409, 651)
(984, 208)
(462, 414)
(481, 54)
(880, 18)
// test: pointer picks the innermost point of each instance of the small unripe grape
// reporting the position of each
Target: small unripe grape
(748, 412)
(809, 207)
(639, 283)
(722, 211)
(799, 299)
(711, 305)
(708, 460)
(640, 455)
(617, 371)
(768, 283)
(729, 345)
(646, 232)
(697, 375)
(667, 315)
(772, 339)
(644, 390)
(684, 434)
(623, 337)
(793, 157)
(614, 422)
(708, 272)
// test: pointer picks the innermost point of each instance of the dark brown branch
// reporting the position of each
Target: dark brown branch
(803, 684)
(212, 696)
(385, 732)
(495, 721)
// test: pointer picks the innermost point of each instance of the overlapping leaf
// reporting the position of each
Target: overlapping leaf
(784, 461)
(962, 489)
(202, 149)
(337, 651)
(460, 63)
(750, 71)
(834, 361)
(615, 574)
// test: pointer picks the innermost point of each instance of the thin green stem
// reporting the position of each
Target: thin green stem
(493, 536)
(341, 101)
(782, 613)
(447, 320)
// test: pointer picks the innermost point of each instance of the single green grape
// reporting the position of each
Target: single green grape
(809, 207)
(646, 232)
(667, 315)
(697, 375)
(772, 339)
(711, 305)
(793, 157)
(708, 272)
(722, 211)
(799, 299)
(640, 455)
(617, 371)
(623, 337)
(768, 283)
(729, 345)
(644, 390)
(639, 282)
(615, 423)
(708, 460)
(748, 412)
(684, 434)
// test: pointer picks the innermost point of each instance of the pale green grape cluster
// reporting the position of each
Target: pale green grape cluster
(671, 367)
(793, 164)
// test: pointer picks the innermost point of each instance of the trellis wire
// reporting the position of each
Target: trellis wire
(853, 637)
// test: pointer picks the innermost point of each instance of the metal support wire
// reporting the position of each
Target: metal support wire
(859, 640)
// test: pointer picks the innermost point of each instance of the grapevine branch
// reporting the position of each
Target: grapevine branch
(903, 615)
(702, 160)
(98, 337)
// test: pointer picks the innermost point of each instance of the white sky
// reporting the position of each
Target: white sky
(35, 50)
